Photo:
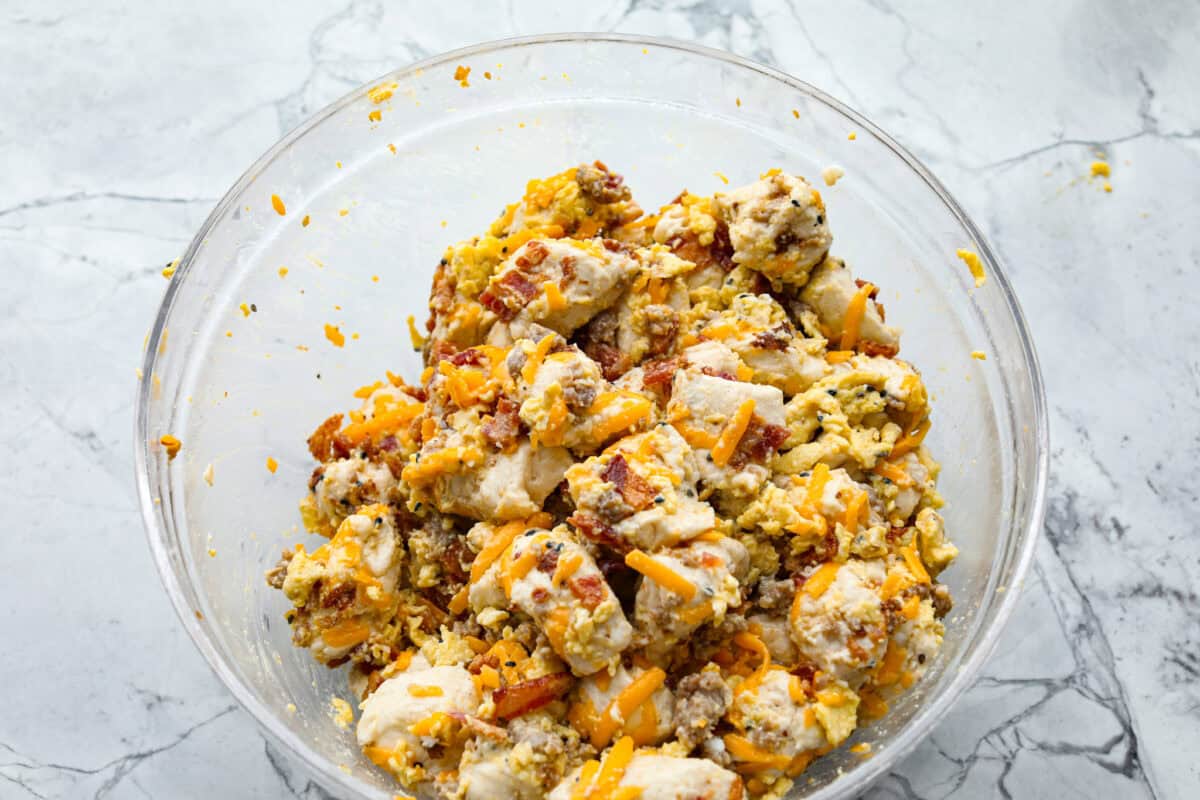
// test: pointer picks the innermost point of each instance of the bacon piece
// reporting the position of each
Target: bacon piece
(589, 589)
(660, 371)
(600, 185)
(502, 429)
(534, 254)
(878, 349)
(715, 373)
(439, 350)
(635, 489)
(758, 443)
(610, 359)
(510, 294)
(859, 282)
(521, 698)
(471, 356)
(598, 531)
(548, 560)
(321, 443)
(776, 338)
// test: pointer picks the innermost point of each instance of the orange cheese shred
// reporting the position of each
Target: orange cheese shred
(458, 603)
(913, 560)
(554, 296)
(566, 568)
(529, 371)
(625, 703)
(854, 510)
(816, 583)
(911, 440)
(854, 316)
(346, 634)
(415, 690)
(742, 749)
(661, 574)
(732, 433)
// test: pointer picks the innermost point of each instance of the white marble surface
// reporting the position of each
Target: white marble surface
(122, 124)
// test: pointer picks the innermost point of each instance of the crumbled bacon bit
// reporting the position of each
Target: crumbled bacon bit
(567, 264)
(547, 560)
(439, 351)
(860, 283)
(610, 359)
(509, 295)
(635, 489)
(601, 185)
(321, 443)
(660, 371)
(521, 698)
(716, 373)
(776, 338)
(533, 255)
(471, 356)
(589, 589)
(878, 349)
(539, 594)
(501, 430)
(760, 441)
(613, 246)
(483, 660)
(597, 530)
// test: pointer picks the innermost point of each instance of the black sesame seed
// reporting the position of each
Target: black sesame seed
(510, 663)
(660, 499)
(920, 658)
(254, 307)
(820, 219)
(795, 202)
(831, 392)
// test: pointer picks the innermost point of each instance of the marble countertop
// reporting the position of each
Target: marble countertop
(123, 125)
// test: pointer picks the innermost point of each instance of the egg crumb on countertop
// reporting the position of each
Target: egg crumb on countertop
(657, 519)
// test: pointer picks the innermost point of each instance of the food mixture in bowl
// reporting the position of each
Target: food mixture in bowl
(656, 520)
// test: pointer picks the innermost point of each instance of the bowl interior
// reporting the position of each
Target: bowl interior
(240, 369)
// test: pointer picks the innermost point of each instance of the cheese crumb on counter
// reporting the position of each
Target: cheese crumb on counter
(979, 355)
(277, 204)
(208, 474)
(335, 335)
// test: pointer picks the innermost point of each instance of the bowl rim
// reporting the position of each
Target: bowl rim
(922, 723)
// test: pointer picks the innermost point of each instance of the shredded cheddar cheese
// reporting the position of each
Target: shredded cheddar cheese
(732, 433)
(621, 707)
(816, 583)
(661, 574)
(854, 316)
(278, 205)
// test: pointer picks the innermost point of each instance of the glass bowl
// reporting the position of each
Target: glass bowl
(238, 367)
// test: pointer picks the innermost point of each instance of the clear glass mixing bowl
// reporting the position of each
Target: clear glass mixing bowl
(384, 197)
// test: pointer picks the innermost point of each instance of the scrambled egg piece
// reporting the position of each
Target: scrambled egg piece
(657, 518)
